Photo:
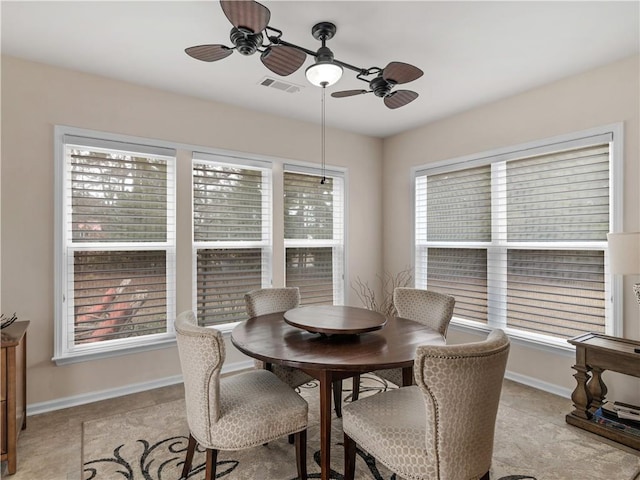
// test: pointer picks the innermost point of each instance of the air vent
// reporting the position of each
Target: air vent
(280, 85)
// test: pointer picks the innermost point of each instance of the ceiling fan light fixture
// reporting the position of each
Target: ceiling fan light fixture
(324, 73)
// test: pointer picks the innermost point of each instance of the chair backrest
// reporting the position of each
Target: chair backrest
(271, 300)
(461, 385)
(429, 308)
(202, 353)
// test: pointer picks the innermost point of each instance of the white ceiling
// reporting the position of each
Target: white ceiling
(471, 53)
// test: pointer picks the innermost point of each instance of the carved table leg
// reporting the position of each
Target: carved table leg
(597, 389)
(581, 396)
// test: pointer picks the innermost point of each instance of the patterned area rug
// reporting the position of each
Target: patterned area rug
(150, 444)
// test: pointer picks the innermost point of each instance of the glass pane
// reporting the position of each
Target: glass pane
(462, 273)
(117, 197)
(557, 293)
(311, 270)
(308, 207)
(119, 295)
(228, 203)
(223, 278)
(458, 206)
(559, 197)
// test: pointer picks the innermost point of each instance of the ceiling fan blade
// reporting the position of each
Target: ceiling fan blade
(400, 98)
(209, 53)
(283, 60)
(246, 14)
(399, 72)
(348, 93)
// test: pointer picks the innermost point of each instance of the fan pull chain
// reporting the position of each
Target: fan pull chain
(324, 179)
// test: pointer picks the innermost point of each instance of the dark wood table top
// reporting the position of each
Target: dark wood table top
(270, 339)
(621, 346)
(335, 320)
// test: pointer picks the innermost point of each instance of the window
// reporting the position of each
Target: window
(231, 235)
(314, 235)
(519, 236)
(115, 263)
(119, 254)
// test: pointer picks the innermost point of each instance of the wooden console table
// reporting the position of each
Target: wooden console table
(596, 353)
(14, 390)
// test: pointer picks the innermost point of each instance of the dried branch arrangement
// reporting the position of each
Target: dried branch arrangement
(388, 283)
(6, 321)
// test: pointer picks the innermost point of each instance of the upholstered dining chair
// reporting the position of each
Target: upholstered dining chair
(442, 427)
(264, 301)
(236, 412)
(424, 306)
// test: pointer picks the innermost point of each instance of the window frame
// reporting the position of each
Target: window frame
(63, 353)
(184, 292)
(266, 243)
(339, 266)
(613, 294)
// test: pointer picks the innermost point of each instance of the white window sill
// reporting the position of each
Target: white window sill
(99, 354)
(538, 342)
(109, 352)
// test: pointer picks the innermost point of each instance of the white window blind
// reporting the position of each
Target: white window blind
(520, 239)
(455, 207)
(556, 292)
(117, 196)
(459, 206)
(559, 197)
(311, 270)
(118, 244)
(461, 272)
(232, 235)
(314, 235)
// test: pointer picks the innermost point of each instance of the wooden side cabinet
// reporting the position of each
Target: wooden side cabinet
(13, 362)
(596, 353)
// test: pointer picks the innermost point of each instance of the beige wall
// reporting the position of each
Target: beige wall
(36, 97)
(603, 96)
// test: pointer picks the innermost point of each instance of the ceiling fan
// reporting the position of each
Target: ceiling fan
(249, 20)
(251, 33)
(381, 85)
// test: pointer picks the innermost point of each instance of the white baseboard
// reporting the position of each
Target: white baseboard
(539, 384)
(74, 401)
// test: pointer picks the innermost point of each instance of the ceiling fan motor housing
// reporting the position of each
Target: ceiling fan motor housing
(324, 54)
(246, 43)
(380, 86)
(324, 31)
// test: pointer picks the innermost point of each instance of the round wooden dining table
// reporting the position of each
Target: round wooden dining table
(335, 356)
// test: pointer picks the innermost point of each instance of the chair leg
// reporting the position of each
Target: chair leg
(485, 476)
(212, 458)
(191, 448)
(301, 454)
(337, 397)
(349, 458)
(356, 388)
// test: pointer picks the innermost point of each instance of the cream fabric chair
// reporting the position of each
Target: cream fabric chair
(442, 427)
(274, 300)
(429, 308)
(236, 412)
